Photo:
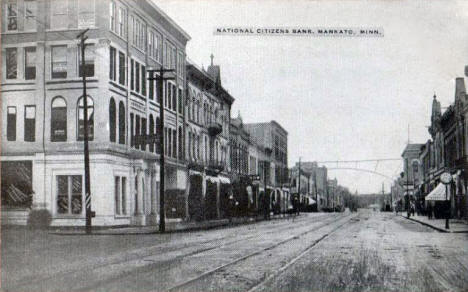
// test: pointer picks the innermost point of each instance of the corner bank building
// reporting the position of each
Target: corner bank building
(42, 110)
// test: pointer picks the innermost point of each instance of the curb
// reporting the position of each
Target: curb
(434, 227)
(224, 223)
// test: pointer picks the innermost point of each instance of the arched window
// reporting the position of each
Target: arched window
(122, 123)
(58, 124)
(216, 152)
(112, 120)
(151, 130)
(81, 119)
(158, 124)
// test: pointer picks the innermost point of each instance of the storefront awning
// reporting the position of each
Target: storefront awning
(224, 180)
(212, 179)
(437, 194)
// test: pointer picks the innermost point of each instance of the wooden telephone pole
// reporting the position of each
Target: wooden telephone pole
(89, 213)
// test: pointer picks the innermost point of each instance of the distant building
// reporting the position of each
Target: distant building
(320, 182)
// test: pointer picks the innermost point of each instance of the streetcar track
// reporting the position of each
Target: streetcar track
(132, 256)
(221, 267)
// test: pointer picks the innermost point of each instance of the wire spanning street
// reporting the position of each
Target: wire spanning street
(367, 250)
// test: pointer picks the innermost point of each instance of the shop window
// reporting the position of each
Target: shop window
(112, 120)
(11, 63)
(30, 11)
(30, 123)
(12, 15)
(88, 62)
(122, 123)
(58, 120)
(81, 108)
(59, 62)
(30, 63)
(11, 123)
(120, 194)
(69, 194)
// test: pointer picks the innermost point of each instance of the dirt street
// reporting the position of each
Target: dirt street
(365, 251)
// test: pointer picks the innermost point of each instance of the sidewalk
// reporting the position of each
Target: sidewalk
(456, 225)
(171, 226)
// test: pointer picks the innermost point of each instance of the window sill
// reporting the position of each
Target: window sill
(138, 49)
(69, 29)
(117, 35)
(18, 32)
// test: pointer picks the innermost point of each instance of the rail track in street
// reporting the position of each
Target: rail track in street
(117, 265)
(184, 286)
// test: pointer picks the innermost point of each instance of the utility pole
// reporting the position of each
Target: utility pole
(315, 184)
(89, 214)
(407, 187)
(161, 79)
(298, 189)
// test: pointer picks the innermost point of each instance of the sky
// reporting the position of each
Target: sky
(338, 98)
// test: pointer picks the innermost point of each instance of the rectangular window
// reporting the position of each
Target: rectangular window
(151, 89)
(174, 143)
(11, 123)
(112, 61)
(137, 129)
(157, 47)
(12, 15)
(88, 63)
(122, 21)
(137, 77)
(181, 107)
(112, 15)
(132, 75)
(59, 15)
(120, 194)
(30, 11)
(143, 132)
(143, 80)
(122, 63)
(85, 13)
(59, 62)
(132, 131)
(30, 63)
(30, 123)
(69, 194)
(174, 98)
(150, 43)
(11, 63)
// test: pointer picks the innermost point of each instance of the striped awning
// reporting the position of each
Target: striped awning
(437, 194)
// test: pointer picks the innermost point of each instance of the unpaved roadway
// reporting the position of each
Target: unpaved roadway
(365, 251)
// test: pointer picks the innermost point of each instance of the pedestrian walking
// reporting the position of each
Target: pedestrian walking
(429, 211)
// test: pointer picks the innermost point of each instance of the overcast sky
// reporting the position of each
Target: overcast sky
(339, 98)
